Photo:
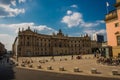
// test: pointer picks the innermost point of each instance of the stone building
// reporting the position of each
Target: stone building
(31, 43)
(2, 49)
(112, 20)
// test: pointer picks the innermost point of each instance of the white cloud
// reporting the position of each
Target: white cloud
(92, 24)
(102, 31)
(92, 31)
(74, 6)
(9, 38)
(13, 2)
(15, 27)
(69, 12)
(6, 9)
(100, 21)
(86, 24)
(44, 29)
(21, 1)
(73, 19)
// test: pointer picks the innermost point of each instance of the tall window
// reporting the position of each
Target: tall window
(28, 38)
(28, 44)
(116, 24)
(118, 40)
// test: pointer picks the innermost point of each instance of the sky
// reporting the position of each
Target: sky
(73, 17)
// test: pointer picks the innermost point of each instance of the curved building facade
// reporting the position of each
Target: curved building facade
(31, 43)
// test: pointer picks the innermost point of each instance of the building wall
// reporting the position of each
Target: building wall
(112, 30)
(2, 49)
(117, 1)
(33, 44)
(116, 51)
(15, 47)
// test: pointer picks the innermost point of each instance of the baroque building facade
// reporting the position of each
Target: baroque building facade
(31, 43)
(112, 20)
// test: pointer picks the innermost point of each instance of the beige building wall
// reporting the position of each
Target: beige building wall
(116, 51)
(33, 44)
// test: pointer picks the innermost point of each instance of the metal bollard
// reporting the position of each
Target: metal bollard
(49, 68)
(61, 68)
(39, 67)
(93, 70)
(76, 69)
(23, 65)
(30, 65)
(114, 72)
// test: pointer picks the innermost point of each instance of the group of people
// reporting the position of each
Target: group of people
(27, 61)
(109, 61)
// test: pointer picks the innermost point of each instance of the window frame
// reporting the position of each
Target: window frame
(117, 24)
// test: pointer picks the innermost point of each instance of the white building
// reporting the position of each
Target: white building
(98, 37)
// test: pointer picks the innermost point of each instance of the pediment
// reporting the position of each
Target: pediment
(28, 32)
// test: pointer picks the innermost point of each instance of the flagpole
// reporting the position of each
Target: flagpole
(107, 5)
(107, 9)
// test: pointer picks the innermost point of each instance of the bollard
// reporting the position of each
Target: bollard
(23, 65)
(49, 68)
(61, 68)
(114, 72)
(16, 64)
(30, 65)
(76, 69)
(93, 70)
(65, 59)
(39, 67)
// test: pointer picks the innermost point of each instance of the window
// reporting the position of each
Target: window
(118, 40)
(28, 44)
(55, 45)
(116, 24)
(28, 38)
(75, 45)
(49, 44)
(19, 49)
(60, 45)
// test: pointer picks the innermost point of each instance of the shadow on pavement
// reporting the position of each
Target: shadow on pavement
(6, 72)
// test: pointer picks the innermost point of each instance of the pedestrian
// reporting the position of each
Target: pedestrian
(72, 57)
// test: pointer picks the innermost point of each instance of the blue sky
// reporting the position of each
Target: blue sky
(74, 17)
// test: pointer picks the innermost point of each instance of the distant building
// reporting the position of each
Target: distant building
(2, 49)
(98, 38)
(30, 43)
(112, 20)
(104, 44)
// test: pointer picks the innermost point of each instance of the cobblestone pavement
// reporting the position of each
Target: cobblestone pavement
(85, 65)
